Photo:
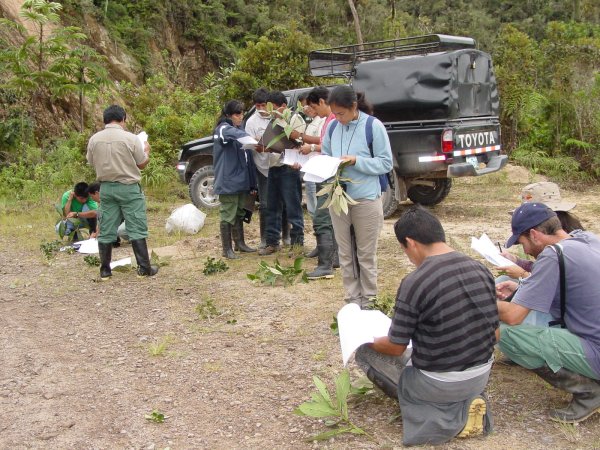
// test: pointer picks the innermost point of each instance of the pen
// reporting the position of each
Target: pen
(499, 247)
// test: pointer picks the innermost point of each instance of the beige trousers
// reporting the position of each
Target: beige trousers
(360, 281)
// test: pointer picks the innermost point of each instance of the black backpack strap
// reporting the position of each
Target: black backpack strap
(563, 287)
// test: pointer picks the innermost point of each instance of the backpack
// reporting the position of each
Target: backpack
(384, 180)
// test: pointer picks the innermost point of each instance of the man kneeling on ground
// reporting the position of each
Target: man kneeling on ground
(447, 308)
(569, 357)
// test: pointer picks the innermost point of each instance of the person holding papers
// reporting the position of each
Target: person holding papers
(234, 176)
(564, 283)
(284, 186)
(118, 157)
(357, 231)
(447, 309)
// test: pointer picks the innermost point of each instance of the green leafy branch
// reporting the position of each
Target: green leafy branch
(289, 275)
(212, 266)
(323, 405)
(286, 116)
(337, 198)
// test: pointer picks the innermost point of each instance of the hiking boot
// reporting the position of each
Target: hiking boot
(226, 241)
(269, 250)
(475, 419)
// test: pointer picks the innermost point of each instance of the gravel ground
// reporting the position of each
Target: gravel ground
(82, 362)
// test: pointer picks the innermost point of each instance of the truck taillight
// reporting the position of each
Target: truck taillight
(447, 141)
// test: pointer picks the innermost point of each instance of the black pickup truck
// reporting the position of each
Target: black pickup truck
(437, 97)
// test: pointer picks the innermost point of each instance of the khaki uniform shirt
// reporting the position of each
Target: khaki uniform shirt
(115, 155)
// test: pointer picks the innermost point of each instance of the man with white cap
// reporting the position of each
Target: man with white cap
(567, 357)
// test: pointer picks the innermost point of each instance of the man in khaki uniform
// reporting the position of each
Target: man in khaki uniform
(118, 156)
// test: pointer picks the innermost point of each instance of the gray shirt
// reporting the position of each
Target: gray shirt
(255, 127)
(541, 291)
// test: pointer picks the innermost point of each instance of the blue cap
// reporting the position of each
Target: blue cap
(526, 217)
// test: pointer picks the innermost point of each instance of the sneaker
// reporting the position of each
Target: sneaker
(475, 415)
(269, 250)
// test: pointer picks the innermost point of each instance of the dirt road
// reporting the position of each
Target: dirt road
(227, 362)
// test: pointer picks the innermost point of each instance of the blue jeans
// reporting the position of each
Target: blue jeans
(311, 197)
(284, 188)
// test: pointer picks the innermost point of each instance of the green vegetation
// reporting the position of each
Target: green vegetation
(546, 56)
(155, 416)
(288, 275)
(212, 266)
(92, 260)
(335, 409)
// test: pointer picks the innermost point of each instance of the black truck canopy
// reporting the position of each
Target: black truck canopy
(421, 78)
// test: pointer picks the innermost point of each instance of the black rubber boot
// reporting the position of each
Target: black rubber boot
(586, 394)
(238, 238)
(314, 253)
(263, 229)
(140, 250)
(325, 263)
(336, 256)
(105, 251)
(226, 241)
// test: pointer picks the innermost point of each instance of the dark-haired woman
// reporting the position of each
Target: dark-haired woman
(234, 176)
(358, 231)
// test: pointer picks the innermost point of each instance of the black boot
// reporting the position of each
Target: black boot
(105, 251)
(586, 394)
(336, 256)
(263, 229)
(226, 241)
(238, 238)
(325, 263)
(140, 250)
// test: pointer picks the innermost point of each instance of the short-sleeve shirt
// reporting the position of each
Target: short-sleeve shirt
(255, 127)
(115, 155)
(541, 290)
(447, 307)
(76, 205)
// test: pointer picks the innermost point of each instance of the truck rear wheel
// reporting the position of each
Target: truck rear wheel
(202, 188)
(430, 195)
(389, 202)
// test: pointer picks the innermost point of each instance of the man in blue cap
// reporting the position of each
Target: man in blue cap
(567, 357)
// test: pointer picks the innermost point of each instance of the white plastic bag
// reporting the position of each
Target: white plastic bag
(187, 219)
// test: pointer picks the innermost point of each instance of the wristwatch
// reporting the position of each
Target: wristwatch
(312, 147)
(77, 215)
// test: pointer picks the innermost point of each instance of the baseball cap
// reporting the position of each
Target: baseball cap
(547, 193)
(526, 217)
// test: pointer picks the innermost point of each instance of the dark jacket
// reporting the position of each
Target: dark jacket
(230, 161)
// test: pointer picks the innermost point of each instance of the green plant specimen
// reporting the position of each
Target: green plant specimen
(212, 266)
(323, 405)
(92, 260)
(337, 197)
(155, 416)
(288, 275)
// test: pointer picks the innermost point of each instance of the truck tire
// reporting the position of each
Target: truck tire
(389, 203)
(201, 188)
(430, 195)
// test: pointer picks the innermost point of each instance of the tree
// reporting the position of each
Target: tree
(359, 37)
(50, 64)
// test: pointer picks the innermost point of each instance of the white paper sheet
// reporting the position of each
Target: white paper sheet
(143, 137)
(486, 248)
(88, 246)
(358, 326)
(320, 168)
(292, 156)
(121, 262)
(248, 142)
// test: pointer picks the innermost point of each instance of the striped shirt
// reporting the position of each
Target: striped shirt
(448, 308)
